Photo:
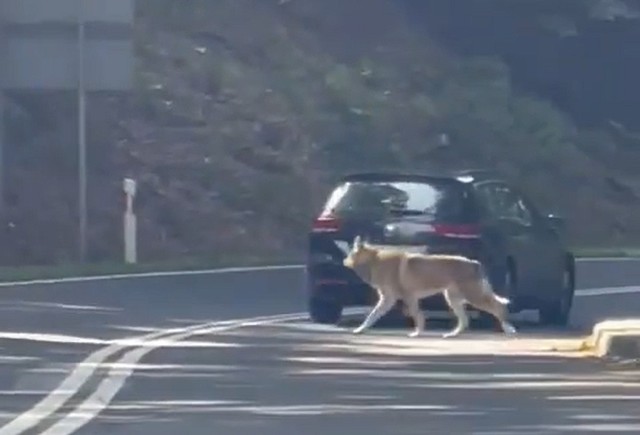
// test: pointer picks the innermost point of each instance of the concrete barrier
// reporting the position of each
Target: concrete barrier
(615, 338)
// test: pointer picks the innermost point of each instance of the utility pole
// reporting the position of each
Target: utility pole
(82, 135)
(2, 140)
(94, 53)
(2, 127)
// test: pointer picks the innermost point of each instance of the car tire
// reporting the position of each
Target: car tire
(557, 312)
(324, 311)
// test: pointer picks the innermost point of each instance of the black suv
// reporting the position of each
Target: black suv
(472, 213)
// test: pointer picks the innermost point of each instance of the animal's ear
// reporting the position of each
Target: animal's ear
(357, 242)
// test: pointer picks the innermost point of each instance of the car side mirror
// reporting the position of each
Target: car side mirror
(556, 222)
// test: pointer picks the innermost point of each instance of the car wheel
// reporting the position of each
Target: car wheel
(324, 311)
(557, 312)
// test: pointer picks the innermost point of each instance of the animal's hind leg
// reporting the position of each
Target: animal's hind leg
(412, 304)
(458, 308)
(490, 303)
(498, 310)
(385, 303)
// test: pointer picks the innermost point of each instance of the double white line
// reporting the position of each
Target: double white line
(116, 377)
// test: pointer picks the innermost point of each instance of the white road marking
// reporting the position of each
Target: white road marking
(597, 398)
(83, 371)
(326, 409)
(124, 342)
(221, 271)
(50, 338)
(607, 259)
(151, 275)
(109, 387)
(607, 291)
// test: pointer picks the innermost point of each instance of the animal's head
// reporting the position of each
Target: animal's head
(360, 254)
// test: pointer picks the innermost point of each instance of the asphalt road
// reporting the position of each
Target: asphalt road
(285, 376)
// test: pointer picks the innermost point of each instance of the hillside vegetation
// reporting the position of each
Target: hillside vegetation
(245, 111)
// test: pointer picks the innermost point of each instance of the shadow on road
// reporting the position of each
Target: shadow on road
(525, 324)
(282, 380)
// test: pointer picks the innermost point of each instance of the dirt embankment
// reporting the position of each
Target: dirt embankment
(245, 110)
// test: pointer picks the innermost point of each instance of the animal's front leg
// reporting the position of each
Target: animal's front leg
(385, 303)
(413, 308)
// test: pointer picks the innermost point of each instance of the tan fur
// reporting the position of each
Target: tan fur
(409, 277)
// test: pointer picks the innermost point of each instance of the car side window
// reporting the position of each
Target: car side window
(487, 200)
(512, 206)
(500, 202)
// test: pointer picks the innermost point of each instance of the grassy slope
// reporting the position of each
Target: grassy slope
(292, 93)
(245, 110)
(29, 273)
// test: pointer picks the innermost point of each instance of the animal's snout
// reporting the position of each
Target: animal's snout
(349, 261)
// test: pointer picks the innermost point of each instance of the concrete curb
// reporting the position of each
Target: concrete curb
(618, 338)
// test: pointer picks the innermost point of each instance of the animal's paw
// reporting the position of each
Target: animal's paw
(451, 334)
(415, 333)
(509, 329)
(358, 330)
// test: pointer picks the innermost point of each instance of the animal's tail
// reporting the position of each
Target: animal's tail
(488, 288)
(501, 299)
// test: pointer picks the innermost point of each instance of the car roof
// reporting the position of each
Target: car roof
(460, 175)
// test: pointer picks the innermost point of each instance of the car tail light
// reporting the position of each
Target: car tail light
(326, 223)
(457, 231)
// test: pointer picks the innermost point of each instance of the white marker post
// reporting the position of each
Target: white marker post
(130, 256)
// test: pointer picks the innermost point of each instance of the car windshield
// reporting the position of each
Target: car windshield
(439, 200)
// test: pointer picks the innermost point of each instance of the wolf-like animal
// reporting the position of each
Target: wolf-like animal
(398, 275)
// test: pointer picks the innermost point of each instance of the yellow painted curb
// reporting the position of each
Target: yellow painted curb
(614, 338)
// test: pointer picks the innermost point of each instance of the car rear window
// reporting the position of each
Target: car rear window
(439, 200)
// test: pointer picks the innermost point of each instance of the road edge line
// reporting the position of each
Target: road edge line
(218, 271)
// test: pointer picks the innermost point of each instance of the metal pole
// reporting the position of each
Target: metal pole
(2, 136)
(82, 139)
(2, 127)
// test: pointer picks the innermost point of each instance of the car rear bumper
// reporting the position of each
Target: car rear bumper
(333, 282)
